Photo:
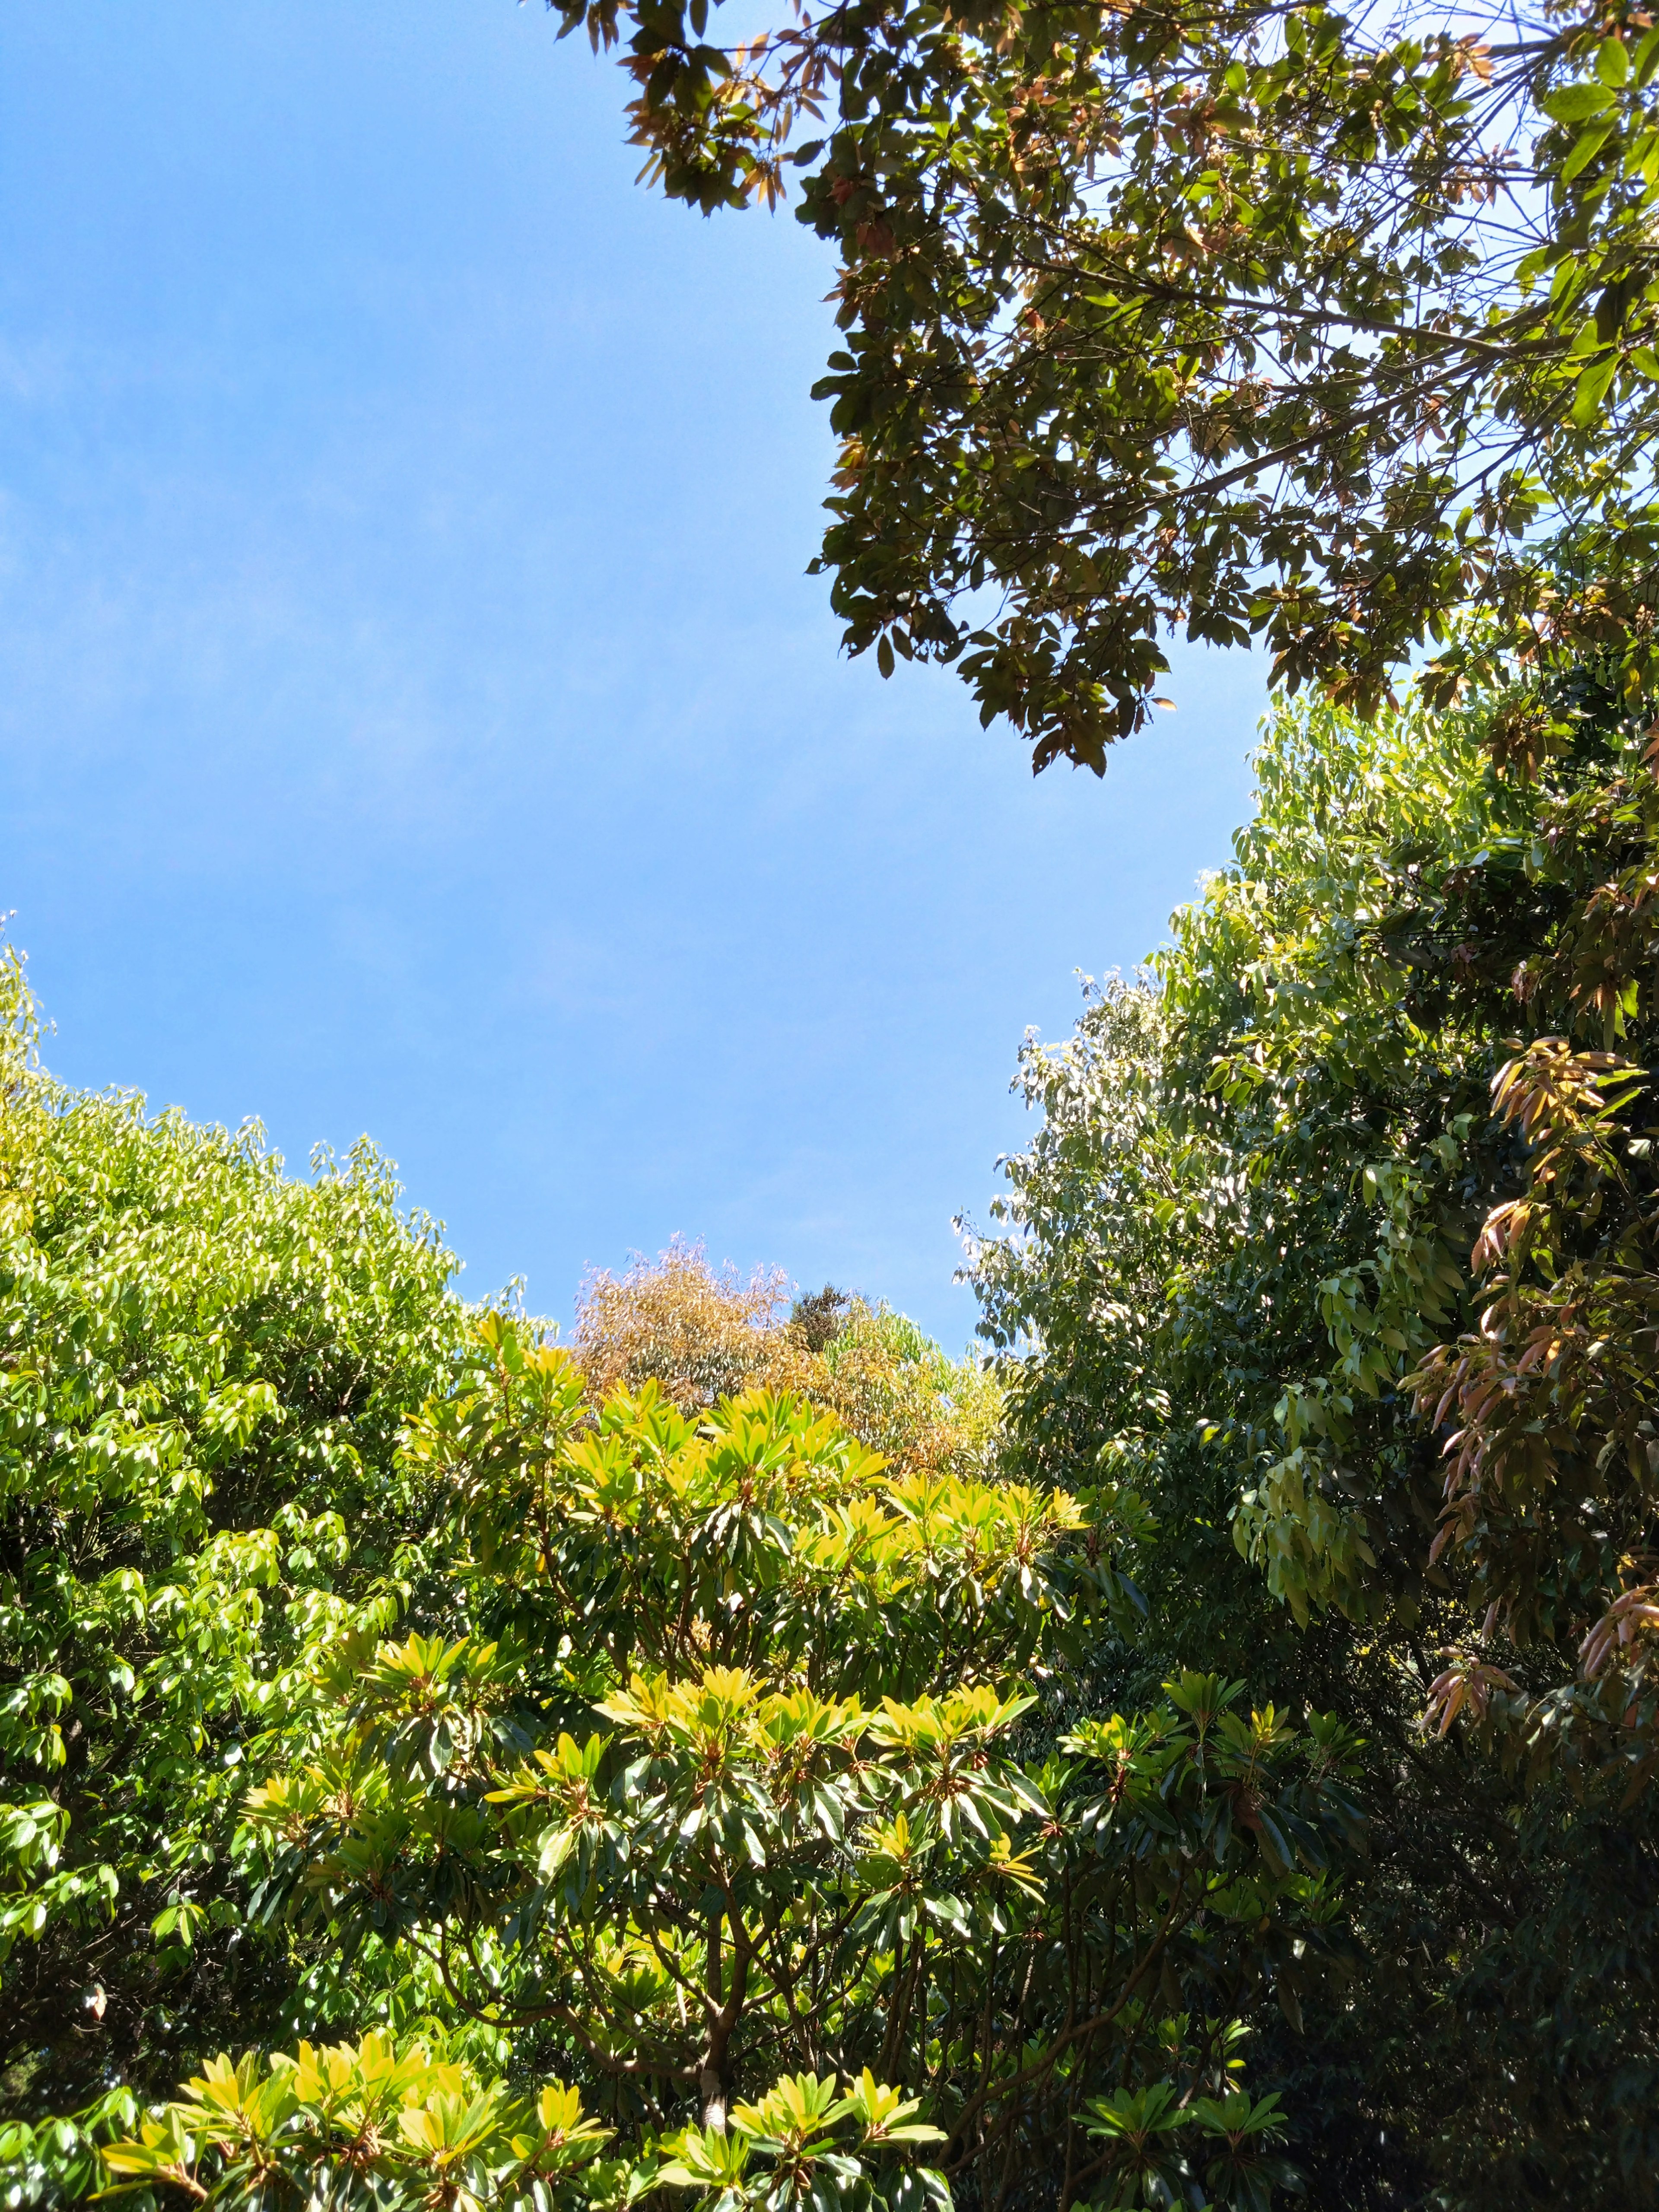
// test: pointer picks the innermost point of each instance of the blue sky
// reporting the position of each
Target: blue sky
(414, 714)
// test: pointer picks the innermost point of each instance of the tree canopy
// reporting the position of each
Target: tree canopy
(1335, 1239)
(1246, 321)
(205, 1367)
(745, 1755)
(440, 1771)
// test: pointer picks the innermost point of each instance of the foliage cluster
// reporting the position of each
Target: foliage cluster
(1241, 317)
(559, 1794)
(204, 1366)
(723, 1773)
(702, 1334)
(1335, 1241)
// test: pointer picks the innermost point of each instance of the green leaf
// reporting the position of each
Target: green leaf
(1586, 147)
(1576, 103)
(1590, 389)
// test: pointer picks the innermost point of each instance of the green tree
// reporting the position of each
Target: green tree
(1248, 1252)
(204, 1365)
(716, 1766)
(558, 1794)
(1239, 318)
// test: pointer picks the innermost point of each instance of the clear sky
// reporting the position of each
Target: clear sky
(414, 714)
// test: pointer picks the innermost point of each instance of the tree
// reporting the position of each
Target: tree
(1259, 1233)
(1234, 317)
(568, 1797)
(715, 1773)
(701, 1335)
(820, 1315)
(204, 1365)
(1391, 1075)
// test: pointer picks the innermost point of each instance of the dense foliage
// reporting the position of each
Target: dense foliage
(1335, 1240)
(1235, 316)
(204, 1365)
(701, 1335)
(554, 1792)
(731, 1776)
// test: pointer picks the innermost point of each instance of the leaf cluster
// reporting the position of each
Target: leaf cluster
(1302, 1250)
(1249, 320)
